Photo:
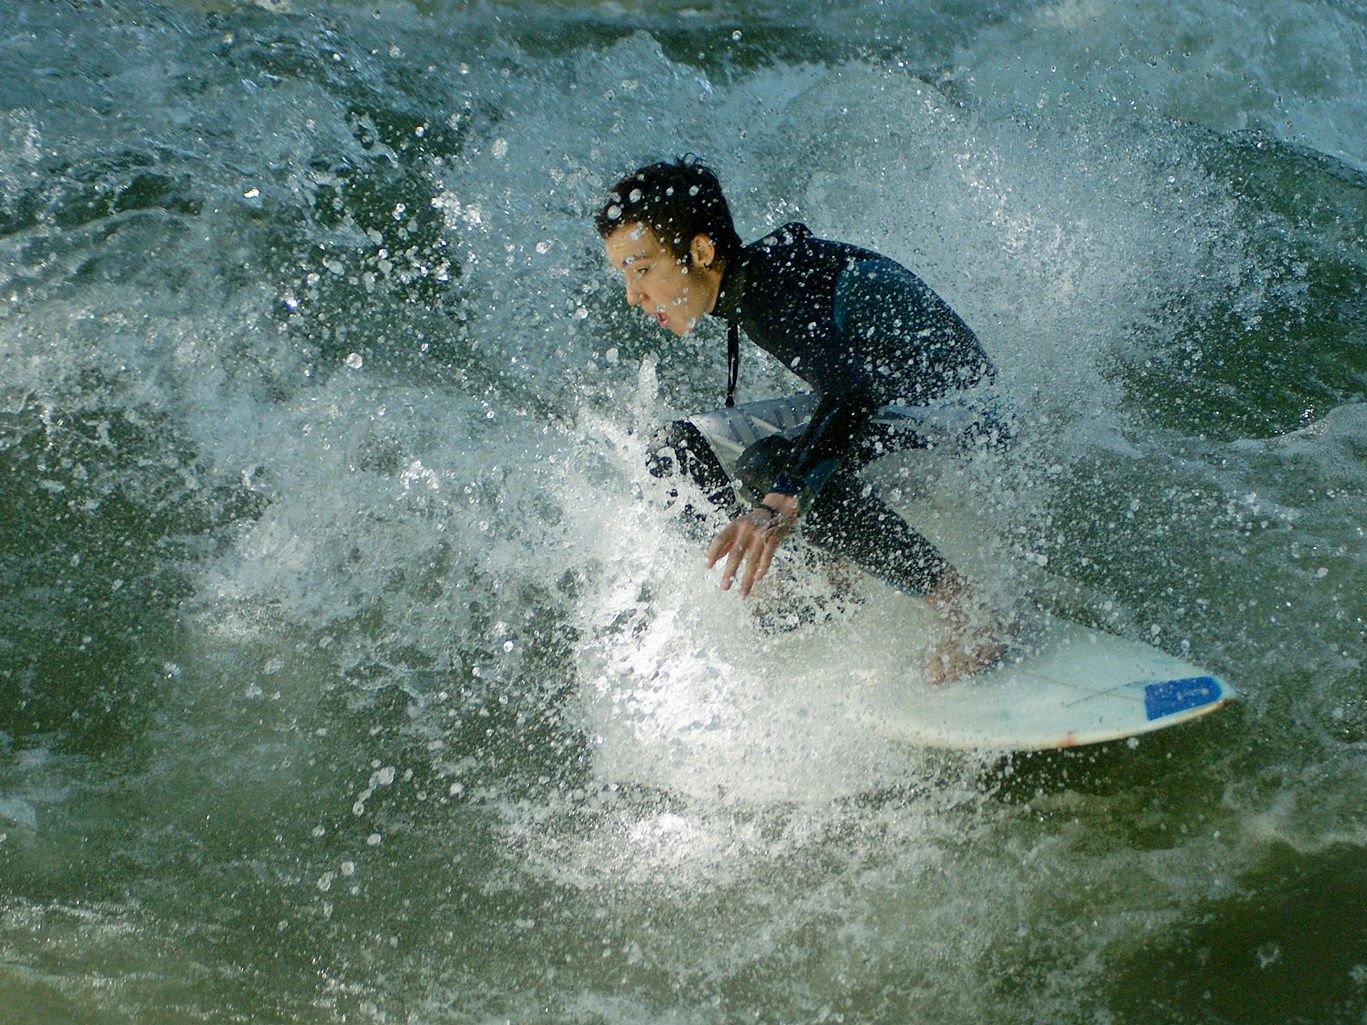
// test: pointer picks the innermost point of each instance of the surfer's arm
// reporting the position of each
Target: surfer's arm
(889, 325)
(817, 453)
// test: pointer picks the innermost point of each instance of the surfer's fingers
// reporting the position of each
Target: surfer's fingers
(751, 564)
(755, 545)
(733, 562)
(764, 556)
(723, 542)
(719, 546)
(762, 547)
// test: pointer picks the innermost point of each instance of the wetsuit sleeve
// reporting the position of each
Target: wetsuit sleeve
(816, 454)
(901, 342)
(871, 305)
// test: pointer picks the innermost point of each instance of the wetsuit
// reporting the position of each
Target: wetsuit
(864, 332)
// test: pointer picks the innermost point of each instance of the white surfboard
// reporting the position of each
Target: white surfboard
(1070, 686)
(1077, 686)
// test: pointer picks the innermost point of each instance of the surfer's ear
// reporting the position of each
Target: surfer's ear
(702, 252)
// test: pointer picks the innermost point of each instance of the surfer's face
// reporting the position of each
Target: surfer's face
(675, 293)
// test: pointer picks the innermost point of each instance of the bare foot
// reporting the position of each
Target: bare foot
(959, 657)
(975, 631)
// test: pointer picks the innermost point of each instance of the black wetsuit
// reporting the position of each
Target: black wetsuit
(864, 332)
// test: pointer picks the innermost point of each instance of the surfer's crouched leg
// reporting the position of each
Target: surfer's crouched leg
(849, 521)
(679, 448)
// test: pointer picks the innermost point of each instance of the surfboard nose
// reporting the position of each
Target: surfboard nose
(1167, 697)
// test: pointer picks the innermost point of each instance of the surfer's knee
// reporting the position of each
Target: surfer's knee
(663, 453)
(680, 448)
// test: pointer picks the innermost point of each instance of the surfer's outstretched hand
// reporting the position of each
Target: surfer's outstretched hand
(752, 539)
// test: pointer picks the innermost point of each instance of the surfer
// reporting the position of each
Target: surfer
(860, 329)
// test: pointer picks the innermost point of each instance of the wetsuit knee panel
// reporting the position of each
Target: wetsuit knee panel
(680, 448)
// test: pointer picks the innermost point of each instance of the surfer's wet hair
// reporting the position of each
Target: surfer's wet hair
(677, 200)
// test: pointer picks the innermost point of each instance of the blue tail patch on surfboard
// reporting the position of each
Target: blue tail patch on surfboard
(1171, 696)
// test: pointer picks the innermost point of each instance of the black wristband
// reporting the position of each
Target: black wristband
(770, 510)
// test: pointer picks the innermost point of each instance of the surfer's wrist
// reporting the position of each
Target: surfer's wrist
(775, 514)
(781, 505)
(765, 518)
